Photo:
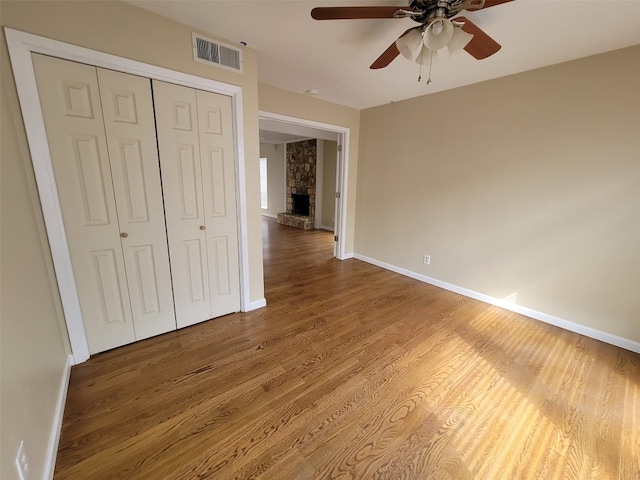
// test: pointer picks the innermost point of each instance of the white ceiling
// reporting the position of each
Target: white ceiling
(298, 53)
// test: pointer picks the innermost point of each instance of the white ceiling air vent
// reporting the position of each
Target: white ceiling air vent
(213, 52)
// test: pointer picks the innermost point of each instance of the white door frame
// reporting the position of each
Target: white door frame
(319, 182)
(21, 45)
(342, 170)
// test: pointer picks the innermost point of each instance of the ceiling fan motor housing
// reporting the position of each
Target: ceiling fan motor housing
(427, 10)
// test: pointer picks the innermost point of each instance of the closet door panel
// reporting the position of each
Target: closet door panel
(70, 102)
(218, 248)
(219, 190)
(131, 138)
(179, 147)
(196, 278)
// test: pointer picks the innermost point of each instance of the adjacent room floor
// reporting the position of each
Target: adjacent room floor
(354, 372)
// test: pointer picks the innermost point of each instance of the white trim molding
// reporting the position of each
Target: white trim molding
(21, 45)
(609, 338)
(56, 425)
(256, 304)
(270, 215)
(344, 137)
(317, 219)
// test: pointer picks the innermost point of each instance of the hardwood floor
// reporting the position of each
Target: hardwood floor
(355, 372)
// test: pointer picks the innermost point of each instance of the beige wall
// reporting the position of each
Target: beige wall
(33, 341)
(284, 102)
(33, 350)
(527, 185)
(330, 153)
(275, 177)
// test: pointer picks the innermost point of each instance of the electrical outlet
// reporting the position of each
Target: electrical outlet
(427, 260)
(22, 462)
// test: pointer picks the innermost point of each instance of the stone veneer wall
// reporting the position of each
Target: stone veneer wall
(301, 173)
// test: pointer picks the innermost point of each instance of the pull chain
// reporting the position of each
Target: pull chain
(430, 65)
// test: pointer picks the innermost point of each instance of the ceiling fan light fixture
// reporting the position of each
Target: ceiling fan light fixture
(409, 45)
(459, 40)
(427, 57)
(438, 33)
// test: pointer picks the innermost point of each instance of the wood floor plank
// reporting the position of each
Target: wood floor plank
(352, 371)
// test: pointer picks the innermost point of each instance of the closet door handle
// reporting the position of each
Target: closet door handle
(124, 234)
(202, 227)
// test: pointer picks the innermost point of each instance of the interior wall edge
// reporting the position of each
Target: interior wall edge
(600, 335)
(56, 426)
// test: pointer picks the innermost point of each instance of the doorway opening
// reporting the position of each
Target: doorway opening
(285, 139)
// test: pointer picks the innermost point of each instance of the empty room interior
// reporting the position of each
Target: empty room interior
(311, 240)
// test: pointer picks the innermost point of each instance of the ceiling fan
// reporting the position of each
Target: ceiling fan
(437, 28)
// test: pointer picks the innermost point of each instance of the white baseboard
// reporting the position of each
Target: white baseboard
(621, 342)
(347, 256)
(56, 426)
(250, 306)
(324, 227)
(270, 215)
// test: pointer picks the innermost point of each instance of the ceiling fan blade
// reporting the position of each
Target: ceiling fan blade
(386, 58)
(481, 45)
(348, 13)
(493, 3)
(488, 3)
(389, 54)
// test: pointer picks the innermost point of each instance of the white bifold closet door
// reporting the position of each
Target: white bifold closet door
(196, 145)
(101, 135)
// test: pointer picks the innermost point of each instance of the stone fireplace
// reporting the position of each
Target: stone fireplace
(301, 185)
